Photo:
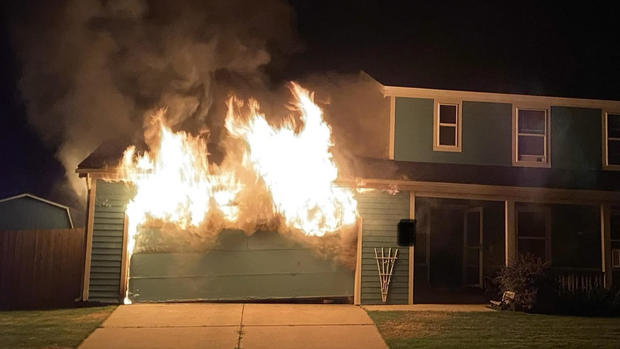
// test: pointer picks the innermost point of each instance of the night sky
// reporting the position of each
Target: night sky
(542, 49)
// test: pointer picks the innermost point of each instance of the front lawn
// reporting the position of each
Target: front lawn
(62, 328)
(413, 329)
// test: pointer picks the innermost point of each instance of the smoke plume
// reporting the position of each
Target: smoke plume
(92, 69)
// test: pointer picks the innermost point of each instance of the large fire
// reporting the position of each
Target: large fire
(284, 172)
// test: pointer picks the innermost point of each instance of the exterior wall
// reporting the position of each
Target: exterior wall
(26, 213)
(487, 135)
(413, 139)
(381, 213)
(262, 266)
(576, 138)
(107, 242)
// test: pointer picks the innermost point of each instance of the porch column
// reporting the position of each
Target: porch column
(606, 246)
(510, 232)
(88, 241)
(357, 288)
(411, 249)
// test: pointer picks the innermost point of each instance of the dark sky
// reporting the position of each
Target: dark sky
(540, 48)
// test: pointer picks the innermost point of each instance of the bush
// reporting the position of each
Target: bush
(536, 291)
(532, 283)
(595, 302)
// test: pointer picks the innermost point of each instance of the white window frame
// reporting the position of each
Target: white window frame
(515, 137)
(458, 147)
(606, 164)
(546, 211)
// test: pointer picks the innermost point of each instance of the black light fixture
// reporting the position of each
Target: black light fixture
(406, 232)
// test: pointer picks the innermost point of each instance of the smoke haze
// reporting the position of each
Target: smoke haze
(92, 69)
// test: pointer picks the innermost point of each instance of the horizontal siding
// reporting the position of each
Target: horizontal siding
(381, 213)
(107, 243)
(264, 265)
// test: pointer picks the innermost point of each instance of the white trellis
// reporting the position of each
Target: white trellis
(385, 266)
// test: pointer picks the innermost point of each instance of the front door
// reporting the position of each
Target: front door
(472, 247)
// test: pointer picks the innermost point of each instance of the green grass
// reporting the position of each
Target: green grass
(61, 328)
(408, 329)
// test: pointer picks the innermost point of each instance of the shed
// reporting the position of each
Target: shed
(26, 211)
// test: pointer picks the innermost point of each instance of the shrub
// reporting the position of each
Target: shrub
(595, 302)
(532, 283)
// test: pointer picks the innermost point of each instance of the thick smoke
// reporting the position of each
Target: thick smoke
(92, 69)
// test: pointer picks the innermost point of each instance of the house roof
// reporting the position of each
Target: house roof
(34, 197)
(486, 175)
(107, 156)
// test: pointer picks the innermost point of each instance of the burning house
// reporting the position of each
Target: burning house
(486, 177)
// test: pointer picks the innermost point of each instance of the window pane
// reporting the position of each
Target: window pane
(532, 121)
(531, 224)
(447, 113)
(532, 247)
(447, 135)
(531, 145)
(613, 152)
(613, 125)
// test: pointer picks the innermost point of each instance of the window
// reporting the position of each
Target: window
(531, 137)
(447, 127)
(533, 232)
(615, 258)
(611, 141)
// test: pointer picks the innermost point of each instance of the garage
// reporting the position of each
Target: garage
(264, 266)
(238, 267)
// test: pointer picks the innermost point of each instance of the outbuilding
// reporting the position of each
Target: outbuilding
(28, 212)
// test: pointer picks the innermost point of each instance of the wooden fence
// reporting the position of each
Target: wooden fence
(40, 268)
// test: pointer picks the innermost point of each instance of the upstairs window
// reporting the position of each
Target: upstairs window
(531, 137)
(612, 140)
(447, 127)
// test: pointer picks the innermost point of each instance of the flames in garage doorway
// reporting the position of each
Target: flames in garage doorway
(277, 177)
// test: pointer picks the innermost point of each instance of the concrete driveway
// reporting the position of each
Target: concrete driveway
(203, 325)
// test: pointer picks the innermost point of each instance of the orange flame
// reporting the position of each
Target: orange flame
(175, 182)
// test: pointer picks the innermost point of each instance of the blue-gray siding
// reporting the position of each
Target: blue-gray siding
(107, 246)
(27, 213)
(261, 266)
(381, 213)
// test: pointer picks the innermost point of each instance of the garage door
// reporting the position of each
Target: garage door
(263, 266)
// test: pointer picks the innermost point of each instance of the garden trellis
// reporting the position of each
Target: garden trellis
(385, 266)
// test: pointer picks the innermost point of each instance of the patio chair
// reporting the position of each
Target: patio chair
(507, 302)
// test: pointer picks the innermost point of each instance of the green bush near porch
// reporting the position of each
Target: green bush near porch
(60, 328)
(413, 329)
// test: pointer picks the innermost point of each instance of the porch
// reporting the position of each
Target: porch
(461, 245)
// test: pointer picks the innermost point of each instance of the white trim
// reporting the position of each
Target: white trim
(458, 147)
(515, 136)
(414, 92)
(605, 140)
(392, 127)
(28, 195)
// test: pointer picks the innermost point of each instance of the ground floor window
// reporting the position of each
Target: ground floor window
(533, 231)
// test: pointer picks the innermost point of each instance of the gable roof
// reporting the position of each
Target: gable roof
(34, 197)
